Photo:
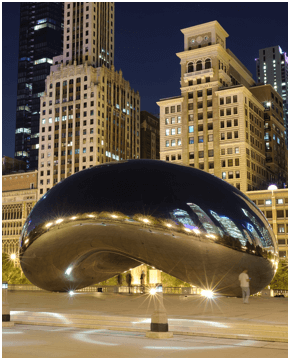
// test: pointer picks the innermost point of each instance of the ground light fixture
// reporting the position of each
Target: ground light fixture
(207, 293)
(152, 291)
(13, 256)
(71, 293)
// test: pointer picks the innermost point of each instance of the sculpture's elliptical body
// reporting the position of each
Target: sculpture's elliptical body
(112, 217)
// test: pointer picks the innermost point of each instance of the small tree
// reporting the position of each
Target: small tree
(280, 280)
(10, 273)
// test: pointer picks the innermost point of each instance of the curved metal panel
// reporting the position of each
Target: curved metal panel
(112, 217)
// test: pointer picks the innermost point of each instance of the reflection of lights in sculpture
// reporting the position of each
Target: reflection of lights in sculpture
(151, 212)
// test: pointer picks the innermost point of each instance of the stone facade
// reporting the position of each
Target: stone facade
(217, 124)
(150, 136)
(18, 199)
(274, 205)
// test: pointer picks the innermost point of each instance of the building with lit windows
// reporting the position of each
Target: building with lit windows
(216, 124)
(274, 205)
(150, 136)
(19, 195)
(272, 68)
(275, 146)
(40, 39)
(89, 114)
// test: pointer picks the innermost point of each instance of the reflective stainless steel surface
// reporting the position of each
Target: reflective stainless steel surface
(112, 217)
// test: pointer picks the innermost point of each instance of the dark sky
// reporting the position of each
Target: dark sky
(147, 37)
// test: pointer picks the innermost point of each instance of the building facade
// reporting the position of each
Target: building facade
(89, 113)
(19, 195)
(217, 124)
(274, 137)
(40, 39)
(274, 205)
(10, 165)
(272, 68)
(150, 136)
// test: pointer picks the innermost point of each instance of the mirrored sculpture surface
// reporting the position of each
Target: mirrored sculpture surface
(109, 218)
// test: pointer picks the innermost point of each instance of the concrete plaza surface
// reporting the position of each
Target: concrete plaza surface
(114, 325)
(29, 341)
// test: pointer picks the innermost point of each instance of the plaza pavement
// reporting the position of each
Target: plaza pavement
(262, 319)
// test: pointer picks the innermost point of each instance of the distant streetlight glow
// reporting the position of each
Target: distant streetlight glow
(152, 291)
(71, 293)
(207, 293)
(272, 187)
(169, 225)
(146, 221)
(73, 218)
(59, 221)
(114, 216)
(91, 216)
(48, 225)
(196, 231)
(186, 229)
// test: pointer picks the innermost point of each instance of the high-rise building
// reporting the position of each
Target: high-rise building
(274, 137)
(216, 124)
(150, 136)
(40, 39)
(89, 113)
(272, 68)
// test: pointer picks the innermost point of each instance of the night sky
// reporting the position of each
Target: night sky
(147, 37)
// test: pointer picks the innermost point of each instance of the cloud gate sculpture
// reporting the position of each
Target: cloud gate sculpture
(112, 217)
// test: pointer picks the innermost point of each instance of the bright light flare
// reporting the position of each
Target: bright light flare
(48, 225)
(152, 291)
(71, 293)
(169, 225)
(146, 221)
(186, 229)
(13, 256)
(59, 221)
(196, 231)
(211, 236)
(91, 216)
(207, 293)
(114, 216)
(68, 270)
(272, 187)
(73, 218)
(26, 241)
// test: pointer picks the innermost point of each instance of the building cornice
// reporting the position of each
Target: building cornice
(205, 27)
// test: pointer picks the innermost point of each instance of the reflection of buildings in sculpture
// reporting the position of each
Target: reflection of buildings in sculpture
(229, 227)
(19, 195)
(182, 216)
(204, 219)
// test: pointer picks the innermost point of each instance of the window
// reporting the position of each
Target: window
(229, 123)
(236, 134)
(172, 109)
(191, 129)
(210, 137)
(178, 130)
(222, 112)
(173, 143)
(167, 143)
(166, 121)
(229, 135)
(237, 174)
(222, 136)
(224, 176)
(191, 155)
(281, 228)
(280, 213)
(228, 100)
(231, 175)
(173, 157)
(236, 123)
(210, 153)
(237, 162)
(200, 127)
(230, 162)
(179, 142)
(167, 110)
(222, 101)
(200, 139)
(237, 150)
(222, 124)
(201, 154)
(173, 120)
(173, 131)
(268, 202)
(191, 140)
(167, 132)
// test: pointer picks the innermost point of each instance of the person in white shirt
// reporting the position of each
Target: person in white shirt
(245, 285)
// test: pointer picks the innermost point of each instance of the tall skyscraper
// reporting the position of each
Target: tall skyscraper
(40, 39)
(216, 124)
(272, 68)
(89, 113)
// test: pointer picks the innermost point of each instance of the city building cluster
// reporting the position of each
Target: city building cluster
(75, 111)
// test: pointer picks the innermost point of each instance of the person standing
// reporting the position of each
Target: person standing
(245, 285)
(142, 280)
